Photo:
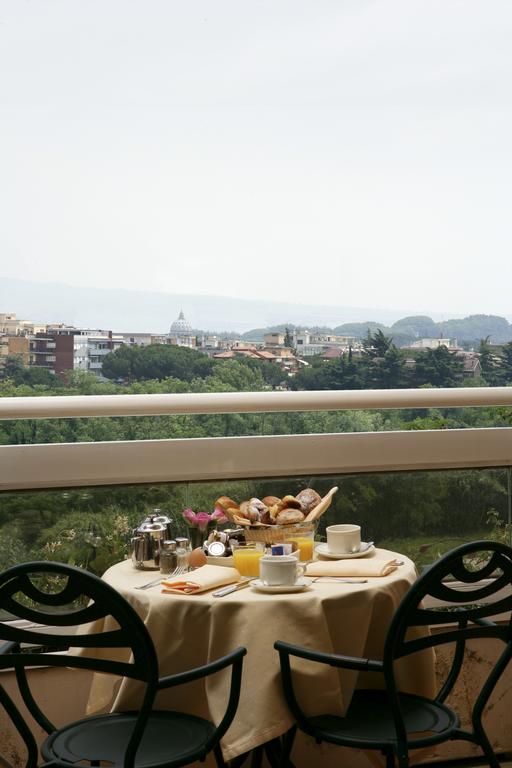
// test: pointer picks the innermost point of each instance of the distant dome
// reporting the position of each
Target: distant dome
(181, 327)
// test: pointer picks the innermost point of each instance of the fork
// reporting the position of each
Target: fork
(177, 572)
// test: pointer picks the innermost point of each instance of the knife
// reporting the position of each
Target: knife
(340, 579)
(232, 588)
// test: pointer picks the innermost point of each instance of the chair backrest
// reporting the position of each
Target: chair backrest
(59, 607)
(456, 597)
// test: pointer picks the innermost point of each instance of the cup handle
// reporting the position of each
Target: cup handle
(301, 570)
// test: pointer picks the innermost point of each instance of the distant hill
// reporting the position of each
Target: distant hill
(153, 312)
(127, 311)
(467, 330)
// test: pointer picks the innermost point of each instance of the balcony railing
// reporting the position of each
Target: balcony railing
(202, 459)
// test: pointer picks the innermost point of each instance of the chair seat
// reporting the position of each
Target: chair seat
(170, 738)
(369, 721)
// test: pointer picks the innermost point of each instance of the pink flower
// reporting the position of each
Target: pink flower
(190, 516)
(202, 520)
(218, 516)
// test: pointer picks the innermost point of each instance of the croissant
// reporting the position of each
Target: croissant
(225, 503)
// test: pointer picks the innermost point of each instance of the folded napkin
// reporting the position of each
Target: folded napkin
(201, 580)
(365, 566)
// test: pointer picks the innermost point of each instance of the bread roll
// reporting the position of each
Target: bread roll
(269, 501)
(289, 517)
(290, 502)
(309, 498)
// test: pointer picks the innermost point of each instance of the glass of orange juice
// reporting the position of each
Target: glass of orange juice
(246, 557)
(305, 543)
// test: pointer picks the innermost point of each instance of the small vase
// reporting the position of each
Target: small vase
(197, 537)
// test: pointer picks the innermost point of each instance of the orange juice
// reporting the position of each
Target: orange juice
(305, 545)
(247, 560)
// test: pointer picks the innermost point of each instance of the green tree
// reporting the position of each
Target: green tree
(377, 344)
(389, 371)
(488, 362)
(505, 369)
(438, 367)
(13, 368)
(119, 365)
(156, 361)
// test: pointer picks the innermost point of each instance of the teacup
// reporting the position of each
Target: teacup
(343, 539)
(280, 570)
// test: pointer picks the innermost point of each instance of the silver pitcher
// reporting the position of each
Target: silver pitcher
(147, 539)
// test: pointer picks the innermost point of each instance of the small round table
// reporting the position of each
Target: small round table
(190, 630)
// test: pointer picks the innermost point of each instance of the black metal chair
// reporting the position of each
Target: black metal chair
(47, 594)
(395, 722)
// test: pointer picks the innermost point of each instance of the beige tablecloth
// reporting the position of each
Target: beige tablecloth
(189, 630)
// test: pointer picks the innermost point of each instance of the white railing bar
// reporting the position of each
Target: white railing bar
(248, 402)
(62, 465)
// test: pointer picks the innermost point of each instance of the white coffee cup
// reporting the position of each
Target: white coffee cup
(280, 570)
(343, 539)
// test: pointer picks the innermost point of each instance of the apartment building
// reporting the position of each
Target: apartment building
(52, 350)
(10, 325)
(308, 343)
(14, 345)
(66, 348)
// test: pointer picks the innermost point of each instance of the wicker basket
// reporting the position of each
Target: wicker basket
(276, 534)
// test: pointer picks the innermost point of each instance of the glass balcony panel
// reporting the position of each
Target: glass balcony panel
(421, 514)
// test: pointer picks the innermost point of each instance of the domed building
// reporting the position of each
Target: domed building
(181, 333)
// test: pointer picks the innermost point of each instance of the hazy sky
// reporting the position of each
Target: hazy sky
(350, 151)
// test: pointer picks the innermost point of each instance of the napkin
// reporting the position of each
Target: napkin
(201, 580)
(368, 566)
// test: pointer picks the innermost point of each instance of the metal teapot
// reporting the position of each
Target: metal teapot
(147, 539)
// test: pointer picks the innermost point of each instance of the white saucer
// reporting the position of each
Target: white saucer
(299, 585)
(322, 550)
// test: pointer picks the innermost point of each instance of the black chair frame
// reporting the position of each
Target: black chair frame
(96, 601)
(469, 620)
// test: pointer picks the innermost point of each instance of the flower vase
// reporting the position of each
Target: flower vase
(198, 537)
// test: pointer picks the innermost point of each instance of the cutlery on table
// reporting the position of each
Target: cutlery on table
(232, 588)
(176, 572)
(340, 579)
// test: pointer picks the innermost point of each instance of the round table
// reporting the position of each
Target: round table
(190, 630)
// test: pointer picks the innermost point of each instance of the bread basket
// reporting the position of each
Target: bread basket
(275, 534)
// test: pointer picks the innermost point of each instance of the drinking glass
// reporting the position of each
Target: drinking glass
(246, 557)
(305, 542)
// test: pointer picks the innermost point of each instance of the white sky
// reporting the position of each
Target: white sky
(347, 151)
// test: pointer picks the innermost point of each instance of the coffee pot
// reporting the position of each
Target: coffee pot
(147, 538)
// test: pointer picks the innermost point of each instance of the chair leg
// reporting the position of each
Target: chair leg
(218, 757)
(273, 751)
(257, 757)
(390, 758)
(485, 746)
(287, 746)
